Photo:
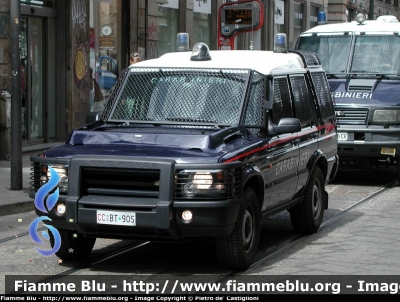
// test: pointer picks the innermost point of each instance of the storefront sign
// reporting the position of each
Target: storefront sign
(202, 6)
(279, 12)
(106, 41)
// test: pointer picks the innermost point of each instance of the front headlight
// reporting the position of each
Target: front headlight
(219, 183)
(202, 180)
(198, 183)
(62, 172)
(386, 116)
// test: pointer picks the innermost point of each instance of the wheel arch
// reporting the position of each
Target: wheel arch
(256, 182)
(318, 159)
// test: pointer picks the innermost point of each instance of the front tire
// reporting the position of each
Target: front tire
(74, 246)
(307, 217)
(238, 250)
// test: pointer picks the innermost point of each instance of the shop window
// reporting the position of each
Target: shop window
(167, 29)
(313, 16)
(201, 22)
(201, 28)
(298, 21)
(104, 43)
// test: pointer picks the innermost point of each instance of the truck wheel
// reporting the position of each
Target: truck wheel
(307, 216)
(74, 246)
(238, 250)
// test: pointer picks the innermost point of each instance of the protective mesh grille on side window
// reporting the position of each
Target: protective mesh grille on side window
(323, 94)
(302, 102)
(182, 95)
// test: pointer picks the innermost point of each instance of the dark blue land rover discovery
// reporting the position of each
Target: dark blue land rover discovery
(208, 149)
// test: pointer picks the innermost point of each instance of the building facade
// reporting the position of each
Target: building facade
(62, 40)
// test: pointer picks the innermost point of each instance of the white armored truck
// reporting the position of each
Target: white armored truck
(361, 59)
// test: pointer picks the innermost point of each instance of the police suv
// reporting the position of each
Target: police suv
(361, 59)
(196, 144)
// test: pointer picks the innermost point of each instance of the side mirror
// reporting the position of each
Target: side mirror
(92, 117)
(287, 125)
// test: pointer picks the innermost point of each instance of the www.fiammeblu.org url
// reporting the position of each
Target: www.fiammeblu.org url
(233, 286)
(230, 286)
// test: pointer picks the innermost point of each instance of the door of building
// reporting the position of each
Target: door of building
(33, 74)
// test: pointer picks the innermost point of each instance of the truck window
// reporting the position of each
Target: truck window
(180, 96)
(323, 94)
(254, 114)
(376, 54)
(301, 98)
(327, 44)
(282, 104)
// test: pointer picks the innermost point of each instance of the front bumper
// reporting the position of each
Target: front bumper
(368, 142)
(158, 213)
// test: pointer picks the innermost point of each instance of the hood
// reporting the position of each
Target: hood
(180, 144)
(366, 92)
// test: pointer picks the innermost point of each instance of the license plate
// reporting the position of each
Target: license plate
(342, 136)
(388, 151)
(116, 218)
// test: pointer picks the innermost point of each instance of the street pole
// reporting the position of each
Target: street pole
(16, 128)
(371, 9)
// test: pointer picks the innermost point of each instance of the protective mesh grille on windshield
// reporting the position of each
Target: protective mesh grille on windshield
(183, 95)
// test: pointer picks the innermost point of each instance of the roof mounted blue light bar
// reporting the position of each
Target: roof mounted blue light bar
(322, 18)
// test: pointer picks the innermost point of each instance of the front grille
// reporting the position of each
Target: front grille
(351, 116)
(120, 182)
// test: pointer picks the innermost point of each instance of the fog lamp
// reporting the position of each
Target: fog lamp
(187, 216)
(61, 208)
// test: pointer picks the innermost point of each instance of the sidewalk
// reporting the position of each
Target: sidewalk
(17, 201)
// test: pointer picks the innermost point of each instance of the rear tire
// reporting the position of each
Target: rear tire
(238, 250)
(398, 168)
(307, 217)
(74, 246)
